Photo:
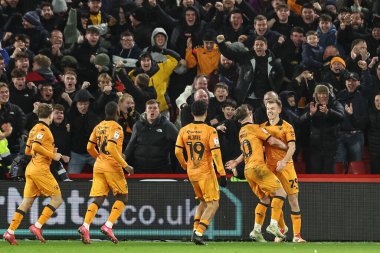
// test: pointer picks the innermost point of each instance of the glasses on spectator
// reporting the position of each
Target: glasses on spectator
(126, 39)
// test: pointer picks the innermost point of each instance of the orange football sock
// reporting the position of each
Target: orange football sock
(281, 221)
(17, 218)
(203, 224)
(92, 209)
(296, 220)
(117, 210)
(260, 212)
(197, 219)
(277, 203)
(46, 214)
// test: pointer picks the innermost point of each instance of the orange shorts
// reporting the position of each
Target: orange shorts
(104, 181)
(262, 181)
(37, 185)
(287, 177)
(206, 189)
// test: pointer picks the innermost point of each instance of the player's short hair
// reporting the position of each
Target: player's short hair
(111, 110)
(274, 101)
(221, 85)
(241, 112)
(198, 108)
(58, 107)
(17, 73)
(229, 103)
(44, 110)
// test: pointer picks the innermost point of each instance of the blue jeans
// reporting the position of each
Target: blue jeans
(78, 161)
(350, 147)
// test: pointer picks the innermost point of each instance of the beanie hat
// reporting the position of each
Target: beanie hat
(32, 17)
(338, 59)
(139, 14)
(69, 61)
(59, 6)
(102, 59)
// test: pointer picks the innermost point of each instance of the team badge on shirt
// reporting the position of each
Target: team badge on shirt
(40, 136)
(216, 141)
(116, 135)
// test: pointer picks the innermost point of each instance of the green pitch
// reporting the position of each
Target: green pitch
(185, 247)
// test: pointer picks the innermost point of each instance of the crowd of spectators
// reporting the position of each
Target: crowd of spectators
(156, 57)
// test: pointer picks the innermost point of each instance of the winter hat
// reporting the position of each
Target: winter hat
(338, 59)
(59, 6)
(352, 76)
(102, 59)
(139, 14)
(69, 61)
(32, 17)
(321, 88)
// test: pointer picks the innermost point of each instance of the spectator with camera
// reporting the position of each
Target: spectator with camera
(324, 115)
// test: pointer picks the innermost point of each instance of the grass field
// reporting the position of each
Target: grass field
(26, 246)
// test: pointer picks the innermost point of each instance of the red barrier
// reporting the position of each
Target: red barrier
(309, 178)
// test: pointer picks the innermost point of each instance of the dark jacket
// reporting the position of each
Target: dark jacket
(23, 98)
(374, 133)
(86, 70)
(359, 118)
(102, 99)
(150, 145)
(81, 125)
(324, 127)
(11, 113)
(247, 65)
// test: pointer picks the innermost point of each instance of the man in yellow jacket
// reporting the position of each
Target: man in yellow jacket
(159, 74)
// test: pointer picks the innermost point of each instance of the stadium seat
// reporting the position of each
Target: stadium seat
(358, 167)
(340, 168)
